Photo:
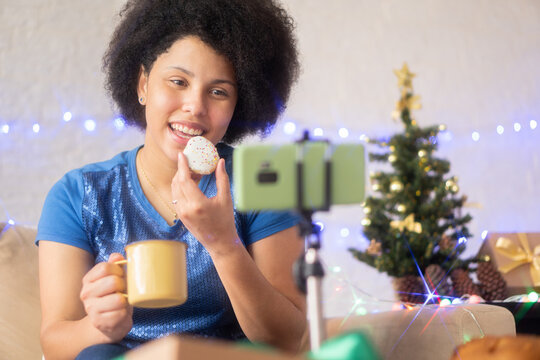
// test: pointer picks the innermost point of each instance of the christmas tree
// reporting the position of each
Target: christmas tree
(414, 219)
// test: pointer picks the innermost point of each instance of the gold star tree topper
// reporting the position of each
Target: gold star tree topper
(404, 77)
(407, 100)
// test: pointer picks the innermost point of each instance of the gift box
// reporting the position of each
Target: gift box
(517, 257)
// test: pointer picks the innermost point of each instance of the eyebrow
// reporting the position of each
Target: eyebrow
(216, 81)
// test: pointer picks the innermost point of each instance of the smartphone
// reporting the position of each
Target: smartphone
(271, 176)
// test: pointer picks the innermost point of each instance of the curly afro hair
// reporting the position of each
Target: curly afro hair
(256, 36)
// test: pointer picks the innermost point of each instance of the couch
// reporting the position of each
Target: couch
(431, 332)
(20, 313)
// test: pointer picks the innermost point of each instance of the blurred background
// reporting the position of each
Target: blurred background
(477, 72)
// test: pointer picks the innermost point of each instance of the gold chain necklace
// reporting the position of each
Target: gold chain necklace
(155, 190)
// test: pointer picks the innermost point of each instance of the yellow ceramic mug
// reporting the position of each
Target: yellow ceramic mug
(156, 273)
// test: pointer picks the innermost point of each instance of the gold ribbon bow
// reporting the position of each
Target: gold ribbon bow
(408, 223)
(519, 255)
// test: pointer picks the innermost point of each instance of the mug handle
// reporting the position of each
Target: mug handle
(122, 262)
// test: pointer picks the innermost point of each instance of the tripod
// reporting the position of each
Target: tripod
(308, 268)
(309, 273)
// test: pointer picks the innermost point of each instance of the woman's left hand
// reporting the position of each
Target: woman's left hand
(210, 220)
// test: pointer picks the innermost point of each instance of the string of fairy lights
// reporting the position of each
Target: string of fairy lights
(288, 128)
(291, 130)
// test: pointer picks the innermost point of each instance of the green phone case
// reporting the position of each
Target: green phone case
(265, 176)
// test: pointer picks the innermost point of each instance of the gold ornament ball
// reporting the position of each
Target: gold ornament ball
(392, 148)
(442, 127)
(376, 187)
(401, 208)
(367, 210)
(451, 185)
(366, 222)
(396, 186)
(422, 153)
(392, 158)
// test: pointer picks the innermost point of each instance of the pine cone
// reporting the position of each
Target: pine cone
(437, 280)
(463, 284)
(446, 243)
(409, 289)
(493, 283)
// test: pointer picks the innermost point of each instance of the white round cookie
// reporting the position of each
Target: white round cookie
(202, 155)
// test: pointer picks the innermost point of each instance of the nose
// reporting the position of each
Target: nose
(194, 103)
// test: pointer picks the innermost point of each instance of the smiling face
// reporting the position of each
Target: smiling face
(190, 91)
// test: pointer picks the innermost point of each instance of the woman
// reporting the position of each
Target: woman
(221, 69)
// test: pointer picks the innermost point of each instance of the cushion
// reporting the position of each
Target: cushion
(429, 333)
(20, 314)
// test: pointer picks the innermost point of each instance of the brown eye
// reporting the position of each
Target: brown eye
(219, 92)
(179, 82)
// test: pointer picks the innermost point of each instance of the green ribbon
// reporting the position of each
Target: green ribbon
(353, 345)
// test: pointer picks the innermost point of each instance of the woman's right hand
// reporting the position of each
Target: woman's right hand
(106, 306)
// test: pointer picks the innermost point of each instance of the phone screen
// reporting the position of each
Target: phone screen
(266, 176)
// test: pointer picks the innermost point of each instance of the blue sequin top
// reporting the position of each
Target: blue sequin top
(101, 208)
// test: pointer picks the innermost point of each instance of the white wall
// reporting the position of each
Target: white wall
(476, 64)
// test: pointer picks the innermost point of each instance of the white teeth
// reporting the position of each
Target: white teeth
(186, 130)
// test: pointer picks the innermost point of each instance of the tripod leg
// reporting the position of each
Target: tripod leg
(317, 329)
